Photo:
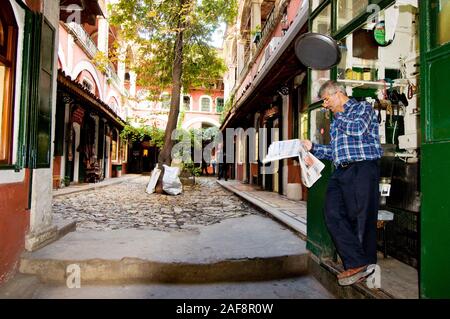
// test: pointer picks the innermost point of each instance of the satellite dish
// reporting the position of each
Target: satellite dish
(317, 51)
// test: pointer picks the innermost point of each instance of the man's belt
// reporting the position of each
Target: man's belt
(348, 164)
(345, 164)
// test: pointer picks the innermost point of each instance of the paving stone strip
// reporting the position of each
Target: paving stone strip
(127, 206)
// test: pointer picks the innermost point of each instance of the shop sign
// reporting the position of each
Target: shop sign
(379, 34)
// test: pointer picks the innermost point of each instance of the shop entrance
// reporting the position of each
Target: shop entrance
(380, 64)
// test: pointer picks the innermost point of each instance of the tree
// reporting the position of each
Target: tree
(172, 39)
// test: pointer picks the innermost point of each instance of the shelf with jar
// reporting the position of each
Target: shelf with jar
(369, 84)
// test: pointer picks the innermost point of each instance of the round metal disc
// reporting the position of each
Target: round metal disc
(317, 51)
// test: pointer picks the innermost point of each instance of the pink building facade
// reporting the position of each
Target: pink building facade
(92, 104)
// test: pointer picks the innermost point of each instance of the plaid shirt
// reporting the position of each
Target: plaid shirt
(354, 135)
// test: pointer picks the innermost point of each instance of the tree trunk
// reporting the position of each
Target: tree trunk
(165, 154)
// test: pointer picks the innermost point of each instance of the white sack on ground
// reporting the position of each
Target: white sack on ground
(171, 181)
(153, 180)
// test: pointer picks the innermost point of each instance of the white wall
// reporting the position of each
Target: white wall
(41, 197)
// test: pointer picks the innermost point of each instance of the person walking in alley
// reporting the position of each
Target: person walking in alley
(223, 166)
(352, 197)
(213, 164)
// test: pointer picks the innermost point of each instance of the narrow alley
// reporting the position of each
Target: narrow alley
(127, 206)
(224, 149)
(206, 243)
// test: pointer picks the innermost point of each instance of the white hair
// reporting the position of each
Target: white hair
(332, 87)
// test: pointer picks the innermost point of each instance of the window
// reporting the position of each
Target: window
(44, 109)
(124, 151)
(165, 101)
(347, 10)
(186, 103)
(315, 4)
(322, 23)
(8, 43)
(219, 105)
(320, 126)
(114, 146)
(88, 85)
(205, 104)
(441, 15)
(318, 77)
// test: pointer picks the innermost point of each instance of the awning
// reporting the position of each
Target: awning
(88, 9)
(282, 66)
(86, 98)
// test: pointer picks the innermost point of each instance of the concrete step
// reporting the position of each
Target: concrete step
(133, 270)
(250, 248)
(305, 287)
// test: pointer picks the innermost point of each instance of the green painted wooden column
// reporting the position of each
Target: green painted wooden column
(319, 241)
(435, 161)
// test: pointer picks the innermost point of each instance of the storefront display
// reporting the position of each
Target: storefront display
(379, 63)
(444, 22)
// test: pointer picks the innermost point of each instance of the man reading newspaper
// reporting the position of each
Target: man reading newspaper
(352, 198)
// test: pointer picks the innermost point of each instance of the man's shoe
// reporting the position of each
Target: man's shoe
(350, 272)
(354, 275)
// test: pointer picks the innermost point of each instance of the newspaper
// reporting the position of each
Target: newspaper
(310, 174)
(294, 148)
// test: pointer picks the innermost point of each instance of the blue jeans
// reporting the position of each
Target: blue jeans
(351, 212)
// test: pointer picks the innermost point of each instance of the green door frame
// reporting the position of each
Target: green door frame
(434, 276)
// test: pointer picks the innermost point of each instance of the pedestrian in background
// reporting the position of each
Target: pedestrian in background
(213, 163)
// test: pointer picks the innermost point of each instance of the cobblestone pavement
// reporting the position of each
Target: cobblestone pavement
(127, 205)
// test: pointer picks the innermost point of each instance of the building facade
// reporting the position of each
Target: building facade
(394, 55)
(265, 87)
(92, 99)
(61, 114)
(28, 71)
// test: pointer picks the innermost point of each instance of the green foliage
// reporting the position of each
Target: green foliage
(227, 108)
(66, 181)
(101, 61)
(181, 118)
(256, 30)
(152, 25)
(136, 134)
(192, 169)
(210, 133)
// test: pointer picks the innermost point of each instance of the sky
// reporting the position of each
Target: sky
(217, 38)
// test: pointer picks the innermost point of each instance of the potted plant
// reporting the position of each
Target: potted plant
(256, 34)
(119, 170)
(66, 181)
(190, 170)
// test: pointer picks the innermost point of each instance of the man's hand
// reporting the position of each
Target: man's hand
(309, 161)
(307, 144)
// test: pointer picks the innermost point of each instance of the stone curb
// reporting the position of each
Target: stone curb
(95, 186)
(135, 270)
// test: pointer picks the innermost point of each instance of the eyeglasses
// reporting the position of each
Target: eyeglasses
(326, 99)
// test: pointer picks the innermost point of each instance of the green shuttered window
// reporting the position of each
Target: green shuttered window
(44, 108)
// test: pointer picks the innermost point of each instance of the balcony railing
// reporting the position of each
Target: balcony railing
(111, 73)
(268, 26)
(91, 49)
(83, 37)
